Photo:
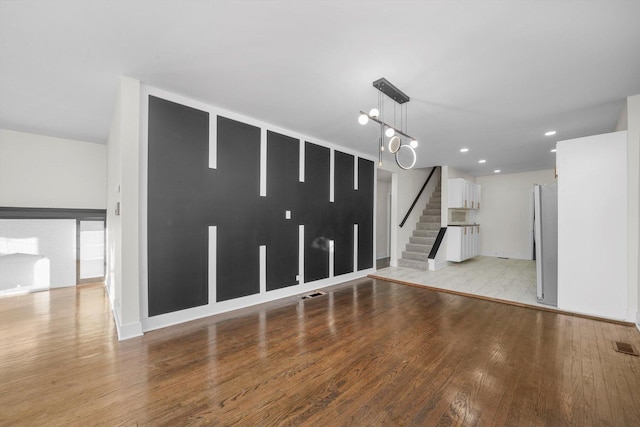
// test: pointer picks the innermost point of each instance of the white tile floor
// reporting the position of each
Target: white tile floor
(498, 278)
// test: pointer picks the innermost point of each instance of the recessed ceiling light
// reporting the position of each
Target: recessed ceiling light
(464, 150)
(496, 171)
(553, 150)
(482, 161)
(550, 133)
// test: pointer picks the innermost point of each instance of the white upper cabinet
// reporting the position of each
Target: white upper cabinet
(463, 194)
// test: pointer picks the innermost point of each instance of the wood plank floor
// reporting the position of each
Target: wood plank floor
(368, 353)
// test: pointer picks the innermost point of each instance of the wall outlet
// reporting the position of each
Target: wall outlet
(287, 214)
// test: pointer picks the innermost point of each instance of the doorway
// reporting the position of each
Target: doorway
(383, 219)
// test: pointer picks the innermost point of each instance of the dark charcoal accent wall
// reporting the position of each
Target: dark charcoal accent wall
(237, 209)
(346, 207)
(177, 208)
(317, 212)
(365, 214)
(185, 197)
(283, 192)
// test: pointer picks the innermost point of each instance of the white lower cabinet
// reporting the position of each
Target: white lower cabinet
(463, 242)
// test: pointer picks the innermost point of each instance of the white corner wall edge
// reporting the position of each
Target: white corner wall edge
(124, 331)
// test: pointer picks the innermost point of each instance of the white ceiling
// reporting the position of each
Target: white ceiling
(492, 76)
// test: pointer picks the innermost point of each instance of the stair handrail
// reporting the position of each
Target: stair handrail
(418, 196)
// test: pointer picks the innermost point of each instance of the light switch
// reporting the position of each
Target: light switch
(287, 214)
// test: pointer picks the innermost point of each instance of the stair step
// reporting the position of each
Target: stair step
(427, 226)
(425, 233)
(416, 256)
(431, 211)
(409, 263)
(422, 240)
(430, 218)
(415, 247)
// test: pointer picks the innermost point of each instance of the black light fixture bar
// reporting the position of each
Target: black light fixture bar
(375, 119)
(386, 87)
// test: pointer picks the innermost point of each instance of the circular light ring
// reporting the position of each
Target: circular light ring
(363, 119)
(394, 144)
(408, 147)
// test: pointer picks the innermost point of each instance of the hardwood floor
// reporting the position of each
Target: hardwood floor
(368, 353)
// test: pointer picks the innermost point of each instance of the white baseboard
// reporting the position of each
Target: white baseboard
(130, 330)
(177, 317)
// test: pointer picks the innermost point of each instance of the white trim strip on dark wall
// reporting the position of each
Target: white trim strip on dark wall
(213, 141)
(355, 172)
(332, 180)
(301, 163)
(263, 268)
(355, 247)
(213, 236)
(331, 258)
(263, 162)
(301, 254)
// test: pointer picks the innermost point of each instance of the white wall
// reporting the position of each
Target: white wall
(382, 216)
(592, 225)
(506, 216)
(42, 171)
(455, 173)
(123, 278)
(623, 119)
(633, 192)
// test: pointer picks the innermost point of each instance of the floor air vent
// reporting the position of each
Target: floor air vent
(624, 347)
(314, 294)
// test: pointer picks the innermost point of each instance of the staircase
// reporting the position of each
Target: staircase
(420, 243)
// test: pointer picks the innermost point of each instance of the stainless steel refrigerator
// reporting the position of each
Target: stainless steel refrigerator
(546, 242)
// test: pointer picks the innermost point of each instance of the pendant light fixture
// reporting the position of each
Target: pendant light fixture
(404, 150)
